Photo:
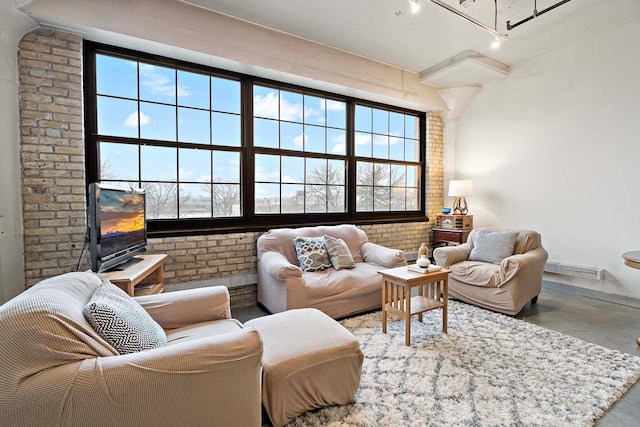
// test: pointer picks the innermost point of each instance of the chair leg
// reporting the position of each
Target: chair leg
(534, 300)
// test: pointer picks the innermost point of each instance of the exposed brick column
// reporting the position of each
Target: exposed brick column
(435, 168)
(52, 152)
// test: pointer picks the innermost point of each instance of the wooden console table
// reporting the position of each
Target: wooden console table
(143, 278)
(632, 259)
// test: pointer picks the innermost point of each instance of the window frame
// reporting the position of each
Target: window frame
(249, 220)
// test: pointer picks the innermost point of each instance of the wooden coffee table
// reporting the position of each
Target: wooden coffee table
(432, 294)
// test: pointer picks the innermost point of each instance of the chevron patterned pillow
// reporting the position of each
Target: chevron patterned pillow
(121, 321)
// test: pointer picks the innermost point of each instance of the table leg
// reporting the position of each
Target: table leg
(407, 317)
(384, 307)
(445, 298)
(421, 293)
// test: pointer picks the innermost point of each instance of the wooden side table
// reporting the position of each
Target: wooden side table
(632, 259)
(433, 290)
(143, 278)
(449, 235)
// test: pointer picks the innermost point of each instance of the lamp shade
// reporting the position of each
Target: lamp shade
(460, 188)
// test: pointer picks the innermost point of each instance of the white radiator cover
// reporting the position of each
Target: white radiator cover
(594, 273)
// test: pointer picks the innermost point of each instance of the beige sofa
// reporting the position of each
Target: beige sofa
(504, 286)
(56, 370)
(282, 285)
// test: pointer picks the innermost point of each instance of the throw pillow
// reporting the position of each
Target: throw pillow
(339, 254)
(493, 245)
(312, 253)
(121, 321)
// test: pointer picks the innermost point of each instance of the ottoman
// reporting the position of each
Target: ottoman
(309, 361)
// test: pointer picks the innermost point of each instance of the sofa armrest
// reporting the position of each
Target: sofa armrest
(186, 307)
(276, 265)
(381, 255)
(528, 266)
(446, 256)
(186, 383)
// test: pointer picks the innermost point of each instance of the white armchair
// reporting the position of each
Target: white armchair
(504, 285)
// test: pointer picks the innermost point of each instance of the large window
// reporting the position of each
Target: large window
(218, 150)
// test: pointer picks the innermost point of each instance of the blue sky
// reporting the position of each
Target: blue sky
(193, 108)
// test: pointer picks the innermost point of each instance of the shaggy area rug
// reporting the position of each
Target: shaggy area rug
(489, 370)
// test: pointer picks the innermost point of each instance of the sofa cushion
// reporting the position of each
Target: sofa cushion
(339, 254)
(493, 245)
(477, 273)
(121, 321)
(312, 253)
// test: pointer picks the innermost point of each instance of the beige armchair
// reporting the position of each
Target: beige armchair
(282, 285)
(56, 370)
(504, 285)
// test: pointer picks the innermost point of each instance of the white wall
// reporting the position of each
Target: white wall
(555, 147)
(12, 27)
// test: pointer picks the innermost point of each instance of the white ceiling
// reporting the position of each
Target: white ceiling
(387, 31)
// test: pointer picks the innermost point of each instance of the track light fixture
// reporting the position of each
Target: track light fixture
(498, 37)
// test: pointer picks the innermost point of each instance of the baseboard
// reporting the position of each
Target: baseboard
(230, 282)
(591, 293)
(242, 288)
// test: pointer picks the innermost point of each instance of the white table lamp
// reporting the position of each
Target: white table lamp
(459, 189)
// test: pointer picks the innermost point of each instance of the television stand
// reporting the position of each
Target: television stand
(144, 277)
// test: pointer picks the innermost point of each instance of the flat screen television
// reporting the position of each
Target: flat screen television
(117, 226)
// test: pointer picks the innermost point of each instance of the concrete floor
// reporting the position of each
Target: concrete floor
(607, 324)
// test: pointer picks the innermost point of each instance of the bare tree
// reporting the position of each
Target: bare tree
(326, 192)
(106, 170)
(379, 178)
(161, 199)
(225, 196)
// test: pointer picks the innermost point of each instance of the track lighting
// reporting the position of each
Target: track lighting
(498, 36)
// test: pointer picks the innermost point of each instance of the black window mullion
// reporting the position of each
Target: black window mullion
(248, 154)
(247, 150)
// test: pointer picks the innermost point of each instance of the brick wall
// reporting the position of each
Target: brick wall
(52, 152)
(54, 189)
(435, 166)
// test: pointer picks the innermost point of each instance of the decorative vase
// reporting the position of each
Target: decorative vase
(423, 250)
(423, 261)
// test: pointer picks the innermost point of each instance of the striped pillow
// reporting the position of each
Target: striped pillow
(339, 253)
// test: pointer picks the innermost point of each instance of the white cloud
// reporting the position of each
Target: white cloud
(262, 174)
(290, 112)
(132, 119)
(160, 84)
(288, 180)
(363, 138)
(380, 140)
(335, 105)
(299, 140)
(266, 106)
(339, 149)
(184, 173)
(270, 105)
